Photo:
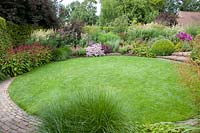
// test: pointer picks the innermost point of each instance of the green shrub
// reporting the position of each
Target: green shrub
(97, 35)
(47, 38)
(143, 51)
(183, 46)
(114, 44)
(61, 53)
(193, 30)
(163, 47)
(80, 52)
(87, 111)
(105, 37)
(151, 31)
(197, 40)
(82, 42)
(195, 55)
(54, 41)
(120, 24)
(5, 40)
(109, 38)
(107, 28)
(127, 49)
(19, 33)
(3, 24)
(2, 76)
(24, 58)
(91, 29)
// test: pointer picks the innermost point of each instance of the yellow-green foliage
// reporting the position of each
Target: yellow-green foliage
(5, 40)
(91, 29)
(195, 54)
(163, 47)
(2, 23)
(197, 39)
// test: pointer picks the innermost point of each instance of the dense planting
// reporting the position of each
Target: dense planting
(24, 58)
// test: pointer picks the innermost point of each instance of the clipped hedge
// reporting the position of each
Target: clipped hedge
(163, 47)
(19, 33)
(5, 39)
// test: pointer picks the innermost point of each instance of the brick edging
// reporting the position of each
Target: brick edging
(12, 118)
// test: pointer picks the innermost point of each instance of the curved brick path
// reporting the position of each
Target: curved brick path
(12, 118)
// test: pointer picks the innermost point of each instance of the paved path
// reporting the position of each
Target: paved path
(12, 118)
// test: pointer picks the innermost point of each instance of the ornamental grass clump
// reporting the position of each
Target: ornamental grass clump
(87, 112)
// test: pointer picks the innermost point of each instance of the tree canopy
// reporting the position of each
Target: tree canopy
(142, 11)
(35, 12)
(76, 11)
(191, 5)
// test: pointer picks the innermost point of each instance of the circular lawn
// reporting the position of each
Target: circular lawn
(150, 87)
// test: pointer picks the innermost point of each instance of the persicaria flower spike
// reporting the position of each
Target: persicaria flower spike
(184, 36)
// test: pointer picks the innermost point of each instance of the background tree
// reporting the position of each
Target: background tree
(85, 12)
(109, 11)
(158, 4)
(191, 5)
(168, 16)
(69, 9)
(172, 6)
(142, 11)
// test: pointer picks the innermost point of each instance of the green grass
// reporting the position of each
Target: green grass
(150, 87)
(88, 111)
